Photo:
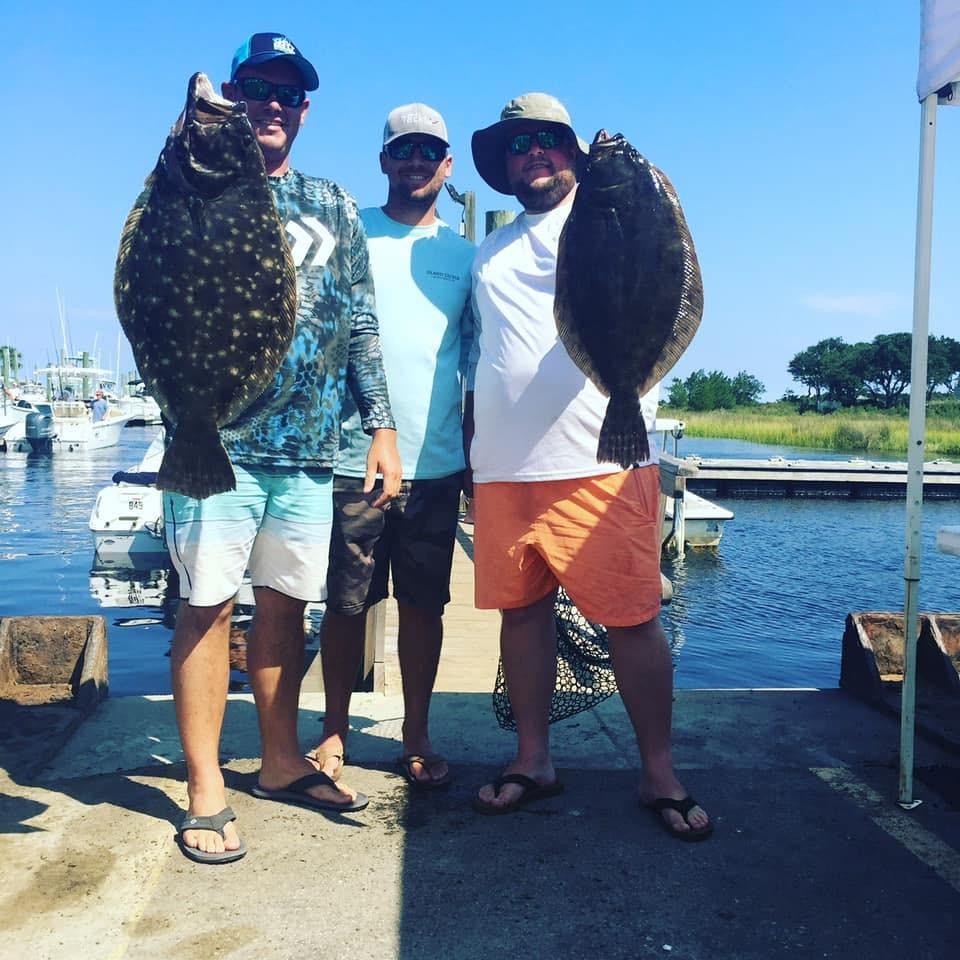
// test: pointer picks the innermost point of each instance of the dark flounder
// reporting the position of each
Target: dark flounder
(205, 286)
(629, 295)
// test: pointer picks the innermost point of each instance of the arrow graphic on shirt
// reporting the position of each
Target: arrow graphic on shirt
(306, 233)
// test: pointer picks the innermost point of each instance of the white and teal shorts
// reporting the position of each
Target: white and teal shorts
(276, 524)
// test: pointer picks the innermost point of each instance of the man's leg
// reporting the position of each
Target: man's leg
(644, 673)
(275, 667)
(341, 648)
(200, 673)
(528, 649)
(419, 641)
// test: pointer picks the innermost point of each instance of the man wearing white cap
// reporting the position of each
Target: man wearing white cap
(547, 514)
(421, 271)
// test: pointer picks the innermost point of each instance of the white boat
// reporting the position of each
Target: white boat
(143, 409)
(127, 517)
(703, 520)
(61, 426)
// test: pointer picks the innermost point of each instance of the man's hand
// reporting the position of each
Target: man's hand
(383, 458)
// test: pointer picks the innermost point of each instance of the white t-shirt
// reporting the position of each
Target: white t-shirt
(536, 415)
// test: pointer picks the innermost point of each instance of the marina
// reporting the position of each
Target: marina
(765, 607)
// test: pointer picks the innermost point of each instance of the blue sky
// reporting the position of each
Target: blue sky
(790, 130)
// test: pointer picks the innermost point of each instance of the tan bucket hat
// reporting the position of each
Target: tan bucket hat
(488, 145)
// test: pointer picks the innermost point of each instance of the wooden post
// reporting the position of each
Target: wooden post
(374, 645)
(470, 216)
(499, 218)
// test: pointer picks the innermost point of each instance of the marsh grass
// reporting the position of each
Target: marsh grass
(856, 431)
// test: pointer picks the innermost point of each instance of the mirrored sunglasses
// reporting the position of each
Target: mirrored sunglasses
(255, 88)
(521, 143)
(430, 151)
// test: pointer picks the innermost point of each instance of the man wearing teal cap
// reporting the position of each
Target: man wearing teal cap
(277, 523)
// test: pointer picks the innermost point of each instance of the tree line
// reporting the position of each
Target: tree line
(835, 373)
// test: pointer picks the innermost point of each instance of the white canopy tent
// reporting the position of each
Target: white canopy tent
(938, 83)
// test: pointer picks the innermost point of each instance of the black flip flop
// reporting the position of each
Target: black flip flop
(683, 807)
(216, 823)
(531, 791)
(296, 793)
(405, 766)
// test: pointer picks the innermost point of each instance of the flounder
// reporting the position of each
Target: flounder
(629, 295)
(205, 285)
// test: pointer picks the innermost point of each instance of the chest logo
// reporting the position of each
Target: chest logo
(309, 234)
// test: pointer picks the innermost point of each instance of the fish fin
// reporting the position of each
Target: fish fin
(196, 465)
(623, 436)
(121, 279)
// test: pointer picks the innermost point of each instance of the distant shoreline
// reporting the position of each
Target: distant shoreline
(853, 431)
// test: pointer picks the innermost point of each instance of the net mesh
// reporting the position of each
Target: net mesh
(584, 671)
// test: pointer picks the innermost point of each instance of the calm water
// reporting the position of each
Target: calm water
(766, 608)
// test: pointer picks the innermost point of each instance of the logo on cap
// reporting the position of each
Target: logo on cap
(283, 45)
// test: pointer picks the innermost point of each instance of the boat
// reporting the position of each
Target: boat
(143, 409)
(58, 426)
(701, 520)
(127, 517)
(58, 420)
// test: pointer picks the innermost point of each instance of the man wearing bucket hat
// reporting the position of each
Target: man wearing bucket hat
(277, 522)
(421, 270)
(547, 514)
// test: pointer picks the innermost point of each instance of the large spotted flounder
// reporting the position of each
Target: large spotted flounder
(205, 286)
(629, 295)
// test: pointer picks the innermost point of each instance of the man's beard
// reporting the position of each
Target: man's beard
(545, 195)
(426, 194)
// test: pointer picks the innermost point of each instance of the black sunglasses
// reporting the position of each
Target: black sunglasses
(521, 143)
(255, 88)
(431, 152)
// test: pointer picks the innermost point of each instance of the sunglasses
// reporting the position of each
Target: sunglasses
(521, 143)
(254, 88)
(431, 152)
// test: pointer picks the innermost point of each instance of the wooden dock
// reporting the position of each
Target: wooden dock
(780, 477)
(471, 638)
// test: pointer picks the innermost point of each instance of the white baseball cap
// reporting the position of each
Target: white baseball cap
(414, 118)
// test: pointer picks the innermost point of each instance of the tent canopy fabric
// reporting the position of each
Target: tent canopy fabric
(939, 46)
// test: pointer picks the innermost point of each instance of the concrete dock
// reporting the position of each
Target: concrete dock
(811, 856)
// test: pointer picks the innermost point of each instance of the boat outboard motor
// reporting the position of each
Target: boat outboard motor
(39, 430)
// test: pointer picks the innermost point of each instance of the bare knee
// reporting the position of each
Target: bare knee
(518, 618)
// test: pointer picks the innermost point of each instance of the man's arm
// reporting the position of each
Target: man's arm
(472, 357)
(365, 376)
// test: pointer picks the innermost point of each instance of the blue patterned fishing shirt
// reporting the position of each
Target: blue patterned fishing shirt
(295, 422)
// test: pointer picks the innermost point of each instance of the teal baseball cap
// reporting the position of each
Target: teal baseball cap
(261, 47)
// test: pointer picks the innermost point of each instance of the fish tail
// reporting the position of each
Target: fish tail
(623, 436)
(196, 465)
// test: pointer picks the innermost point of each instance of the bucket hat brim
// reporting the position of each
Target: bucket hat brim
(489, 144)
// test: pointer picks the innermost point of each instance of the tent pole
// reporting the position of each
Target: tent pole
(917, 428)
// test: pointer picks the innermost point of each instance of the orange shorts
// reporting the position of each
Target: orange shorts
(598, 537)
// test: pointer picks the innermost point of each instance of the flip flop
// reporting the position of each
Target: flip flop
(683, 807)
(296, 793)
(531, 791)
(405, 766)
(320, 758)
(216, 823)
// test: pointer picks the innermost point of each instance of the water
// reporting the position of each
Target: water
(765, 609)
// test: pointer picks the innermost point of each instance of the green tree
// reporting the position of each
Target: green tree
(709, 391)
(884, 366)
(677, 394)
(943, 365)
(824, 369)
(747, 389)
